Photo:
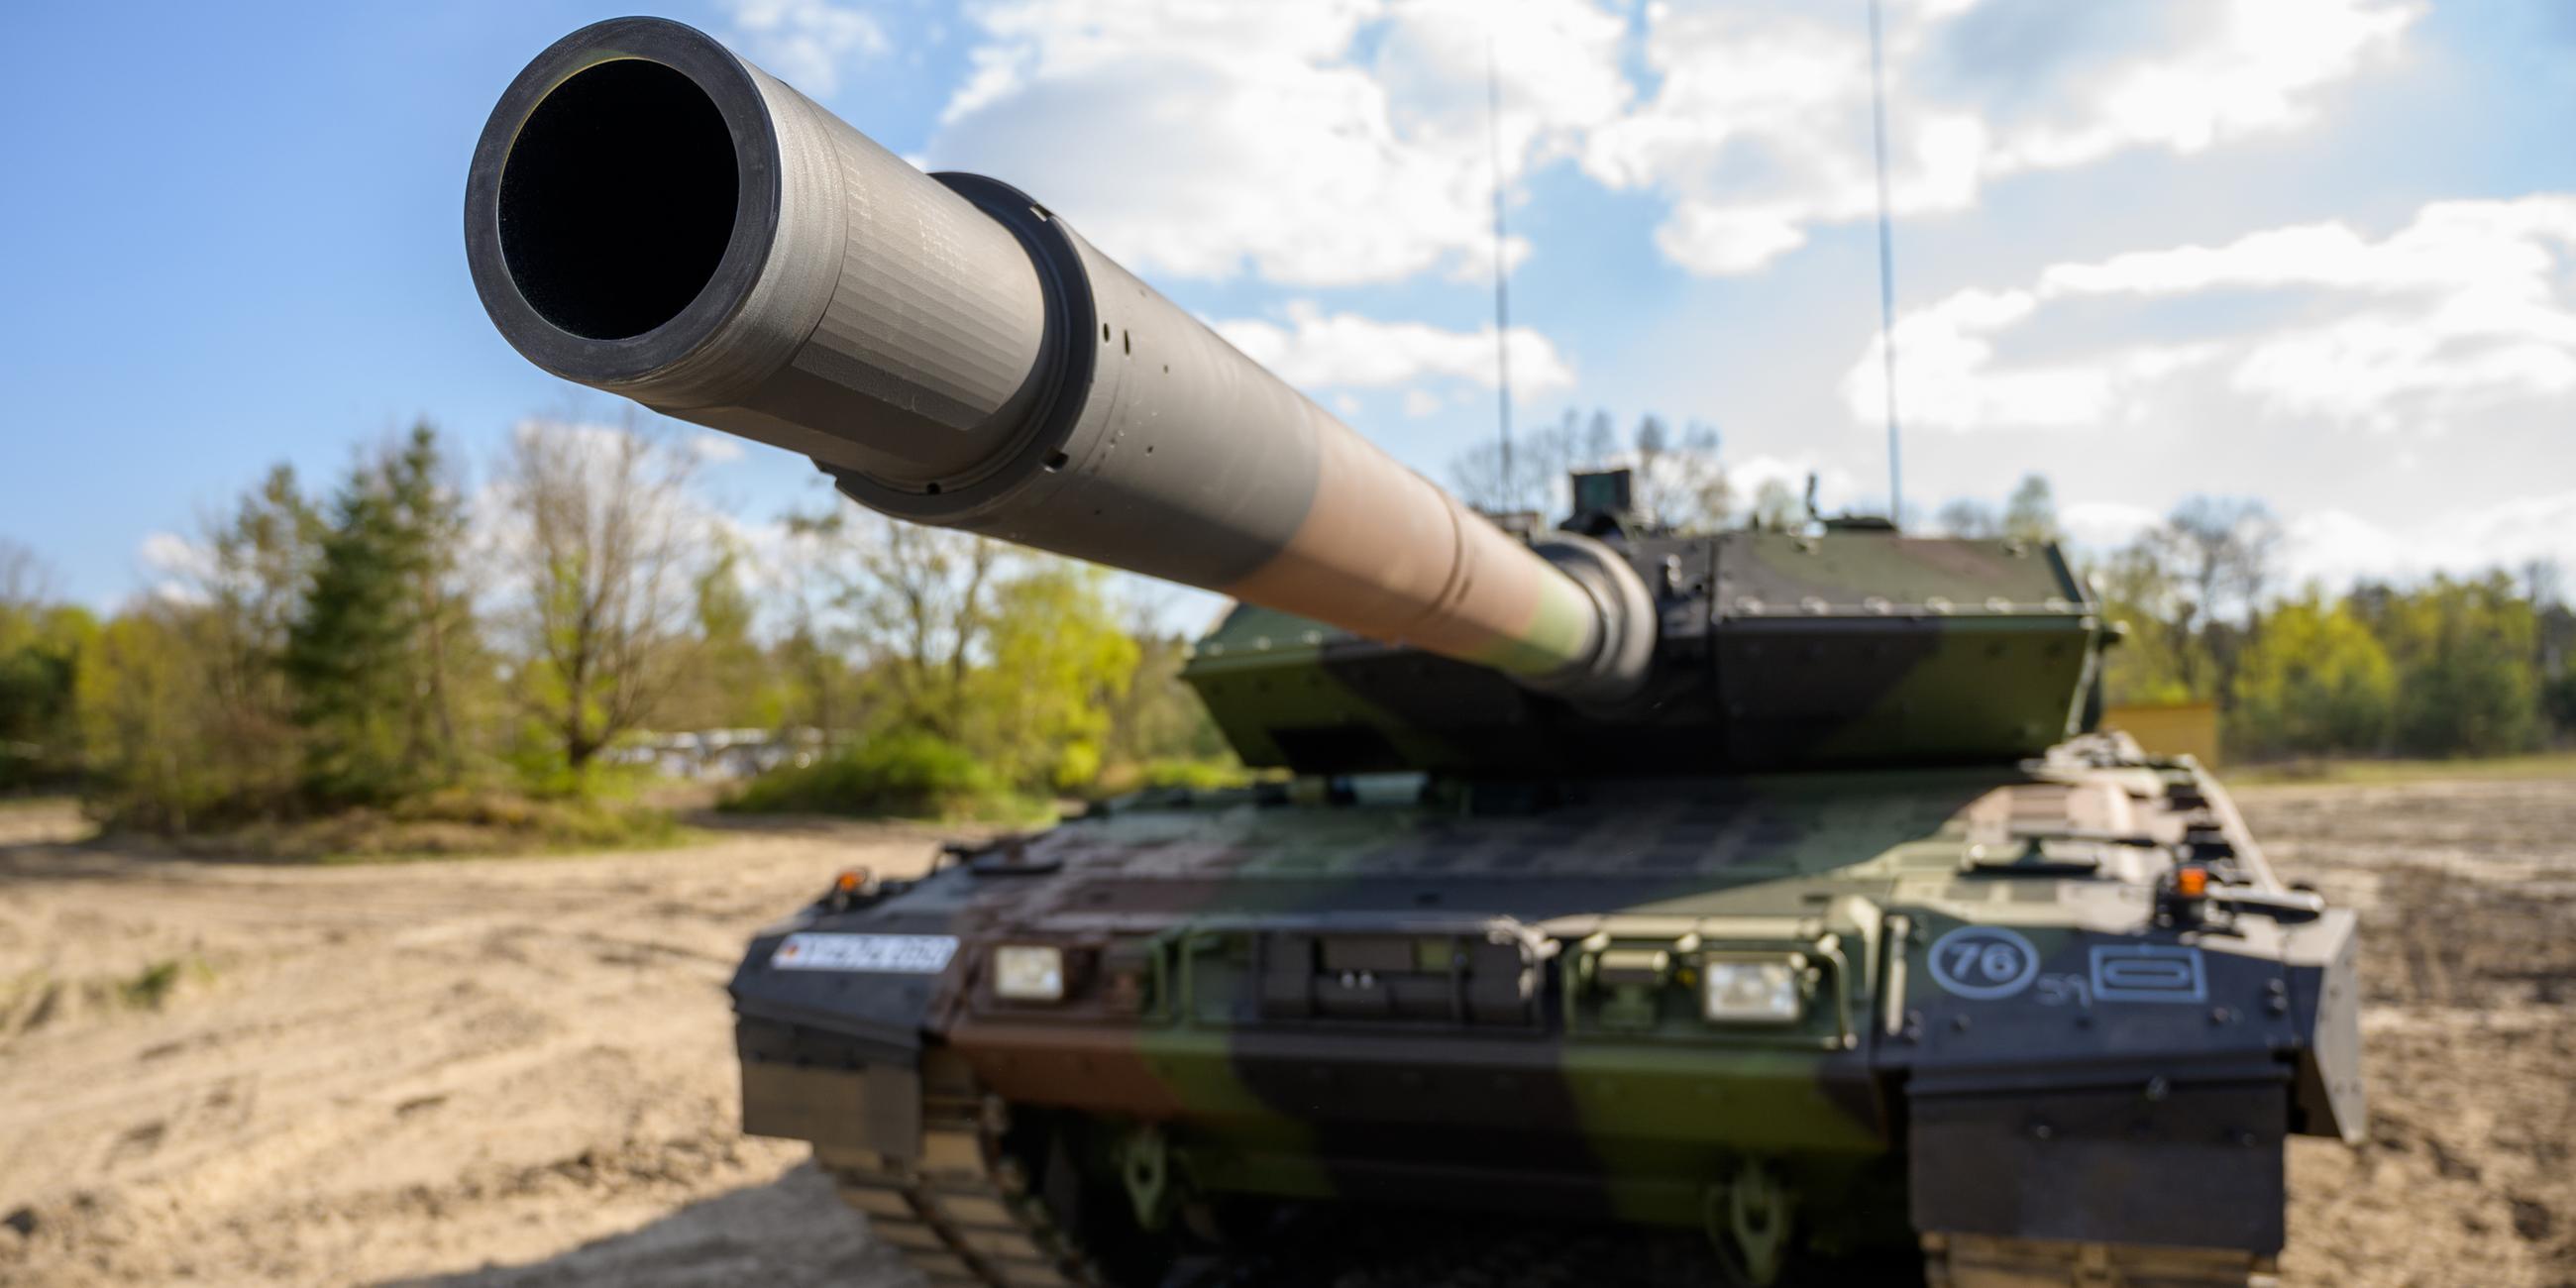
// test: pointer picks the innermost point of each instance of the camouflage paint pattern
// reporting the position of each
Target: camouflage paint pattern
(1845, 754)
(1574, 1110)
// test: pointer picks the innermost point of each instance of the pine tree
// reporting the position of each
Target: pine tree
(375, 656)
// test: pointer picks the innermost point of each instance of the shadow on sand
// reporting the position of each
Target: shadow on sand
(789, 1233)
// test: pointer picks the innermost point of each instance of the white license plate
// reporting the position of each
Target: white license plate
(886, 954)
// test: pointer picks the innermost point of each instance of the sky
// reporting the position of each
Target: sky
(2320, 252)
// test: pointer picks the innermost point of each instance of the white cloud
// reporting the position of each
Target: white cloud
(1419, 403)
(1344, 141)
(175, 555)
(807, 43)
(1325, 143)
(1837, 488)
(1316, 350)
(1760, 126)
(2335, 546)
(714, 448)
(2105, 525)
(182, 568)
(2470, 306)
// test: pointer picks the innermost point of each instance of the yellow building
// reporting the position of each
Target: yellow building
(2170, 729)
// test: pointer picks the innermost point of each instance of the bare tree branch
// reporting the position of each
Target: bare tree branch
(601, 565)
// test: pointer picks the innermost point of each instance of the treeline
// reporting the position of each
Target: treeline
(412, 632)
(1678, 478)
(2478, 665)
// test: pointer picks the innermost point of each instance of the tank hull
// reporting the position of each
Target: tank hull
(1401, 1005)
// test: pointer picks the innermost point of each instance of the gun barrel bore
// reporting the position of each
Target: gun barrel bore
(652, 216)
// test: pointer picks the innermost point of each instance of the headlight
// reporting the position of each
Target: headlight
(1028, 973)
(1752, 989)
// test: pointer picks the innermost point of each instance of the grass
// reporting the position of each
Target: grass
(899, 775)
(38, 804)
(151, 986)
(452, 824)
(1214, 774)
(2547, 764)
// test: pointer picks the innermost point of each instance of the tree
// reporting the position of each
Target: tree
(1540, 459)
(732, 683)
(912, 603)
(25, 580)
(261, 562)
(2216, 554)
(1040, 710)
(2031, 513)
(1600, 437)
(377, 654)
(2314, 681)
(2222, 549)
(601, 562)
(1968, 517)
(814, 650)
(1678, 481)
(2463, 655)
(2554, 652)
(41, 648)
(1777, 507)
(142, 707)
(187, 713)
(1156, 718)
(2161, 659)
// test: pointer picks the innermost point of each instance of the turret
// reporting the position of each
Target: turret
(652, 216)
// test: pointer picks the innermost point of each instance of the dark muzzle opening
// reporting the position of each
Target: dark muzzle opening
(618, 199)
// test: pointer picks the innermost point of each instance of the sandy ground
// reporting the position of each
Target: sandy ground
(507, 1071)
(519, 1071)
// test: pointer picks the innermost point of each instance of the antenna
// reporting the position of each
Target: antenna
(1502, 278)
(1886, 263)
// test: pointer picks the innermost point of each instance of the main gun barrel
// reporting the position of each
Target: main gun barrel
(650, 215)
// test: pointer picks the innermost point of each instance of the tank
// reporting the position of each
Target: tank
(1687, 907)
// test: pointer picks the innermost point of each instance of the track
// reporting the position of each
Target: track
(964, 1215)
(1319, 1249)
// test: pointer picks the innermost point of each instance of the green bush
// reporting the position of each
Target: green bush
(2314, 681)
(902, 774)
(1198, 774)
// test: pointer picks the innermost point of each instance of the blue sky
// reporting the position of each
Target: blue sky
(2318, 251)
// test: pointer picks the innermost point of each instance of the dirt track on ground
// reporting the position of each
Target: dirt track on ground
(520, 1071)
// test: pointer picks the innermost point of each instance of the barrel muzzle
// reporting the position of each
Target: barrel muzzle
(650, 215)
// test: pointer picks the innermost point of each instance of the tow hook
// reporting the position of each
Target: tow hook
(1749, 1216)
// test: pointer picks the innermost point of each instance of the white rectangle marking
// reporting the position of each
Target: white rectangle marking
(2148, 973)
(881, 954)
